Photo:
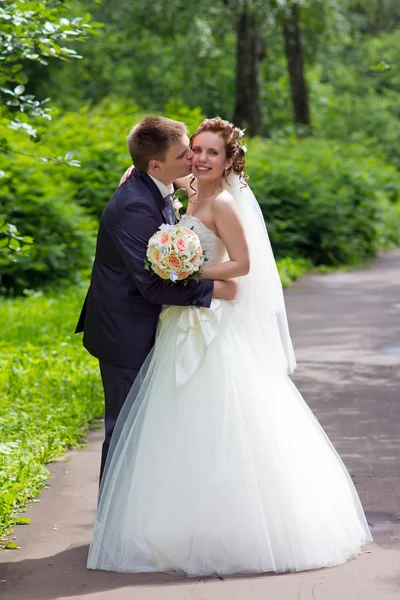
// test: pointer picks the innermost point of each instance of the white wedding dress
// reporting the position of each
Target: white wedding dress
(218, 466)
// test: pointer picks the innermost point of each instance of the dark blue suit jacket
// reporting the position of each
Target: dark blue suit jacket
(121, 309)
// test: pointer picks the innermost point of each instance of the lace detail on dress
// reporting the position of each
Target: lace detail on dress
(210, 242)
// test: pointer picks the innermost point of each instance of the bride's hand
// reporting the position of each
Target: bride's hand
(127, 174)
(204, 273)
(225, 290)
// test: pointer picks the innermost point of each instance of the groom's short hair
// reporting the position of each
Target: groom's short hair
(151, 138)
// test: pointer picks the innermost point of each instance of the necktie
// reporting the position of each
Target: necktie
(169, 210)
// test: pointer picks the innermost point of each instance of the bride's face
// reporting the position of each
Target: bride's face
(209, 156)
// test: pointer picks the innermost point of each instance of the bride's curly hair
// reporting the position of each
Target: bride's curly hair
(233, 138)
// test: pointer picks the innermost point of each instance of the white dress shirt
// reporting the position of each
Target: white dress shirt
(164, 189)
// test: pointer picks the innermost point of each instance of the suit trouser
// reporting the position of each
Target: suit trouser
(117, 382)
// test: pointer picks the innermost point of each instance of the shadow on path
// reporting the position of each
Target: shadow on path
(65, 575)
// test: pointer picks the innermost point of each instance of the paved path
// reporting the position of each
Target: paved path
(346, 329)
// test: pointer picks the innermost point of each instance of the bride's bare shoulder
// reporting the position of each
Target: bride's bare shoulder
(224, 201)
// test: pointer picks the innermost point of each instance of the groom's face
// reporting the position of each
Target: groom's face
(178, 161)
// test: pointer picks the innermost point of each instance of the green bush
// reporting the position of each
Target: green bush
(325, 201)
(98, 137)
(59, 205)
(192, 117)
(50, 391)
(290, 269)
(38, 199)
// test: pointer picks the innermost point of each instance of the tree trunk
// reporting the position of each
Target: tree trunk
(294, 56)
(250, 52)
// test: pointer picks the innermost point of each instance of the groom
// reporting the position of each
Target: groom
(120, 313)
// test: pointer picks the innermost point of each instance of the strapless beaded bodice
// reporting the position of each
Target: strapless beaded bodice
(210, 242)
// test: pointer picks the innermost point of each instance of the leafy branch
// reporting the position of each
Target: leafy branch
(12, 243)
(31, 31)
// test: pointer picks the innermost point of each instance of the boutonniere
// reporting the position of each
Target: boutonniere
(177, 204)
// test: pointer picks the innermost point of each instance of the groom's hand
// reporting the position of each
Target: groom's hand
(225, 290)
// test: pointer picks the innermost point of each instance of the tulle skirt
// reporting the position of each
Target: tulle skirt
(225, 472)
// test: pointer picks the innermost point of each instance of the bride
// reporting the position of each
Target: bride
(217, 464)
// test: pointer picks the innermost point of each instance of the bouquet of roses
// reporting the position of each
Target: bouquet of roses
(174, 253)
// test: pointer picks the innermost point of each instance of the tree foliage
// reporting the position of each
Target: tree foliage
(375, 16)
(30, 31)
(12, 244)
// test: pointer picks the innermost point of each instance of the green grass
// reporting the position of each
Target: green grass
(291, 269)
(50, 392)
